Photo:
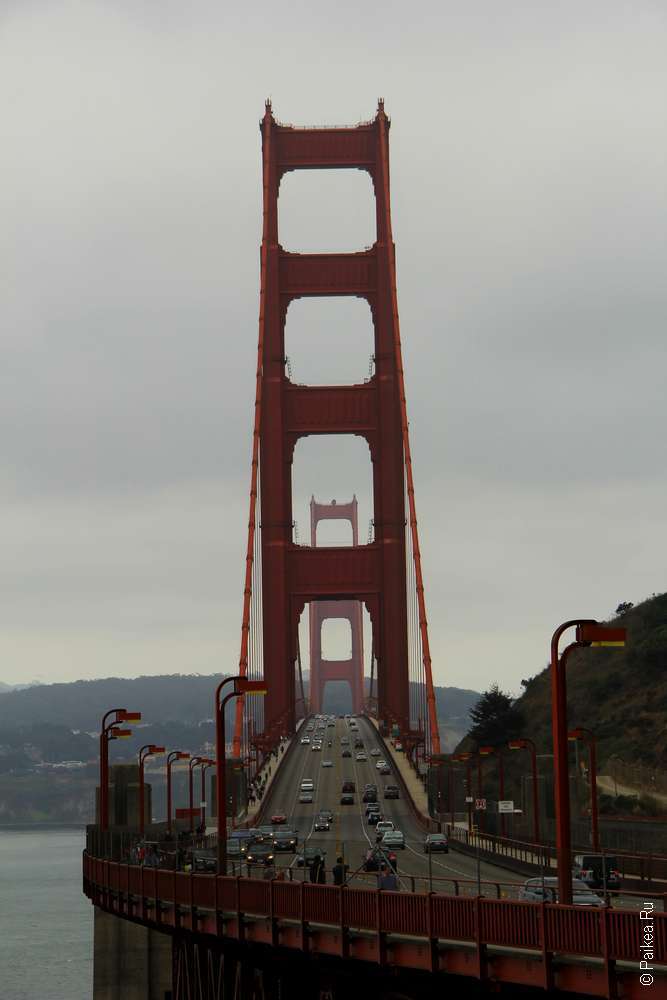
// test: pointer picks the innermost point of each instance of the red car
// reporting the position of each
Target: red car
(278, 819)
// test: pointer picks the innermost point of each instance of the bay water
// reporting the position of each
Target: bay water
(46, 923)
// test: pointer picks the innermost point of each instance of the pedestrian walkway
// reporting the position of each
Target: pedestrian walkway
(412, 781)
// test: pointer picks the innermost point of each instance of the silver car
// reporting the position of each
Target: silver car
(538, 889)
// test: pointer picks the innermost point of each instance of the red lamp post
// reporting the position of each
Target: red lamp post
(466, 758)
(171, 757)
(206, 763)
(498, 751)
(242, 686)
(588, 737)
(588, 633)
(148, 750)
(110, 730)
(526, 744)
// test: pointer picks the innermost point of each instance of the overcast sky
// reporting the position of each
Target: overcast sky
(528, 159)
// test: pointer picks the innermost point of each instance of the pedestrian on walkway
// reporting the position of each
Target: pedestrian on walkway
(339, 872)
(387, 879)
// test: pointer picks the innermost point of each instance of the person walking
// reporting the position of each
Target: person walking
(315, 867)
(339, 872)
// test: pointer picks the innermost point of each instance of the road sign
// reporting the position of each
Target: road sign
(469, 798)
(506, 806)
(480, 804)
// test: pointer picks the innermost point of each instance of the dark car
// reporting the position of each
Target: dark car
(372, 807)
(348, 786)
(347, 800)
(236, 849)
(259, 854)
(308, 855)
(204, 861)
(286, 840)
(391, 792)
(328, 813)
(596, 869)
(435, 842)
(370, 795)
(278, 819)
(376, 857)
(385, 769)
(346, 753)
(374, 818)
(321, 823)
(358, 744)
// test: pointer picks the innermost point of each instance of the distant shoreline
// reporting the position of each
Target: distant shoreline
(42, 826)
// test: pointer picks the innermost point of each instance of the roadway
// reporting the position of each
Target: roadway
(350, 835)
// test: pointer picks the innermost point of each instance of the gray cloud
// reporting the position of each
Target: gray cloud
(530, 211)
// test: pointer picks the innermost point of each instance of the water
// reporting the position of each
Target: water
(46, 923)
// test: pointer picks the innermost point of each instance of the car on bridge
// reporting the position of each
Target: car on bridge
(596, 869)
(380, 763)
(385, 769)
(348, 786)
(370, 795)
(539, 889)
(305, 741)
(346, 753)
(361, 758)
(315, 747)
(328, 813)
(344, 741)
(278, 819)
(321, 823)
(305, 797)
(372, 807)
(259, 854)
(267, 833)
(327, 763)
(285, 840)
(375, 752)
(347, 799)
(385, 826)
(393, 838)
(436, 842)
(307, 785)
(374, 818)
(308, 855)
(376, 857)
(205, 861)
(391, 792)
(236, 849)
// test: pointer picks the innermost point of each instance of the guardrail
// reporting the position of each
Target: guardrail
(176, 899)
(647, 868)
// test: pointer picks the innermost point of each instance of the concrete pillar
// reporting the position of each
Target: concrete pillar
(131, 962)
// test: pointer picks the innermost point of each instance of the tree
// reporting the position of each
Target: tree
(623, 607)
(495, 718)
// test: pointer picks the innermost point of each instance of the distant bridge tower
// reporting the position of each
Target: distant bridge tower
(352, 668)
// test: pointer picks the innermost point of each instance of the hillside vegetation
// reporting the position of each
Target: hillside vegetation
(621, 694)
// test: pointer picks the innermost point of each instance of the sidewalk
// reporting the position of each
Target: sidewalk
(412, 782)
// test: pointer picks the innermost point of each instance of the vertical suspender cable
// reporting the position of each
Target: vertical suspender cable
(243, 657)
(389, 249)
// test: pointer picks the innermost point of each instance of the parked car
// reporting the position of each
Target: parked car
(285, 840)
(538, 889)
(391, 792)
(436, 842)
(591, 869)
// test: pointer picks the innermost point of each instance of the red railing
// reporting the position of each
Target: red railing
(544, 928)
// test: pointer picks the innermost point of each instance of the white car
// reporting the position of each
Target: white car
(307, 785)
(305, 740)
(315, 747)
(384, 826)
(381, 763)
(361, 757)
(375, 752)
(327, 763)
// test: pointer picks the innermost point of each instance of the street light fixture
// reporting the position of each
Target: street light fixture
(526, 744)
(148, 750)
(466, 758)
(172, 756)
(206, 763)
(588, 736)
(110, 730)
(588, 633)
(241, 686)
